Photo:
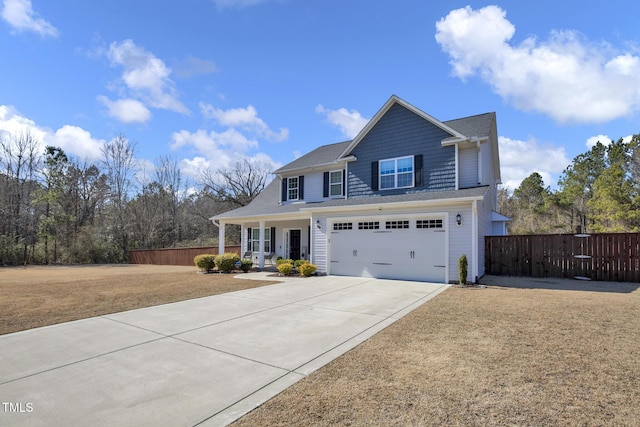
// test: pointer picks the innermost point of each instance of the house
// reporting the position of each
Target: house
(403, 200)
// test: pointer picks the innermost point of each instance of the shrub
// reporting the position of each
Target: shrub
(285, 268)
(463, 266)
(205, 262)
(299, 262)
(284, 261)
(307, 269)
(245, 265)
(227, 261)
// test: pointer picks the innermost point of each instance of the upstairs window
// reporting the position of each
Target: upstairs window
(396, 173)
(335, 183)
(292, 188)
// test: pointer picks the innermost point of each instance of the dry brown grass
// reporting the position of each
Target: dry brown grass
(38, 296)
(482, 357)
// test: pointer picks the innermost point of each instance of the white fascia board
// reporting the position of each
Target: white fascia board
(267, 217)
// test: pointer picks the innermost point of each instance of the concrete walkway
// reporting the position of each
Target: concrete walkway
(206, 361)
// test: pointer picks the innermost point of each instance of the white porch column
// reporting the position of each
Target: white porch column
(221, 237)
(261, 250)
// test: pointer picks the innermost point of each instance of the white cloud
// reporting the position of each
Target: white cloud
(225, 143)
(126, 110)
(72, 139)
(20, 15)
(565, 77)
(350, 122)
(243, 118)
(604, 140)
(76, 141)
(145, 76)
(519, 159)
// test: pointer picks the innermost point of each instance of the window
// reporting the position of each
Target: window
(335, 183)
(396, 225)
(369, 225)
(342, 226)
(429, 223)
(396, 173)
(255, 240)
(292, 188)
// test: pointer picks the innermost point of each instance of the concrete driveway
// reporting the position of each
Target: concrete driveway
(206, 361)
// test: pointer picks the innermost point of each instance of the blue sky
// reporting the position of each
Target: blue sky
(208, 82)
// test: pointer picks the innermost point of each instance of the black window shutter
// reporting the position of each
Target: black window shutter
(273, 239)
(374, 176)
(284, 190)
(301, 187)
(418, 173)
(249, 248)
(325, 188)
(344, 182)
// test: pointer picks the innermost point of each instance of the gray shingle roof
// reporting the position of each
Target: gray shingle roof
(320, 156)
(479, 125)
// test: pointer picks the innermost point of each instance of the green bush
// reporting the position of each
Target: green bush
(307, 269)
(245, 265)
(463, 266)
(205, 262)
(284, 261)
(299, 262)
(285, 268)
(227, 261)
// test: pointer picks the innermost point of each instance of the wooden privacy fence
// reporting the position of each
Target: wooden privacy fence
(174, 256)
(606, 256)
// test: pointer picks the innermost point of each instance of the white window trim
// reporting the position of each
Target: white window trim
(395, 173)
(255, 240)
(341, 183)
(296, 188)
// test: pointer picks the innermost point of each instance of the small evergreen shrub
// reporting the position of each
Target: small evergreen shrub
(307, 269)
(463, 266)
(284, 261)
(299, 262)
(245, 265)
(285, 268)
(205, 262)
(227, 261)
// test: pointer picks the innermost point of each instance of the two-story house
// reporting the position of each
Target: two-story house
(403, 200)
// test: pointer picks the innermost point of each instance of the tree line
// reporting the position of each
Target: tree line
(55, 208)
(598, 192)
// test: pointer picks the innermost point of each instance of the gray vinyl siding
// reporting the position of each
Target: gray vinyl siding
(399, 133)
(319, 255)
(468, 170)
(459, 240)
(313, 187)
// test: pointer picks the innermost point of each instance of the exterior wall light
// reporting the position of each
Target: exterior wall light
(459, 219)
(318, 225)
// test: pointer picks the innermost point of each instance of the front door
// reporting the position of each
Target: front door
(294, 244)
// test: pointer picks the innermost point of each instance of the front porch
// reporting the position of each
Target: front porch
(265, 241)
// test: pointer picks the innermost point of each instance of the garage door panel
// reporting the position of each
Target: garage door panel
(406, 254)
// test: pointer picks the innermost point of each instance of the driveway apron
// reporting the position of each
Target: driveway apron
(206, 361)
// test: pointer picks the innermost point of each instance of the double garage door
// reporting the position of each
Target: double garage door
(405, 249)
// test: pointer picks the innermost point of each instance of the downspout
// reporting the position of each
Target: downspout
(474, 240)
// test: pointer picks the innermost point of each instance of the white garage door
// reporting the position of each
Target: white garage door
(403, 249)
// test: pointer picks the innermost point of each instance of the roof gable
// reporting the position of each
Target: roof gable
(391, 102)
